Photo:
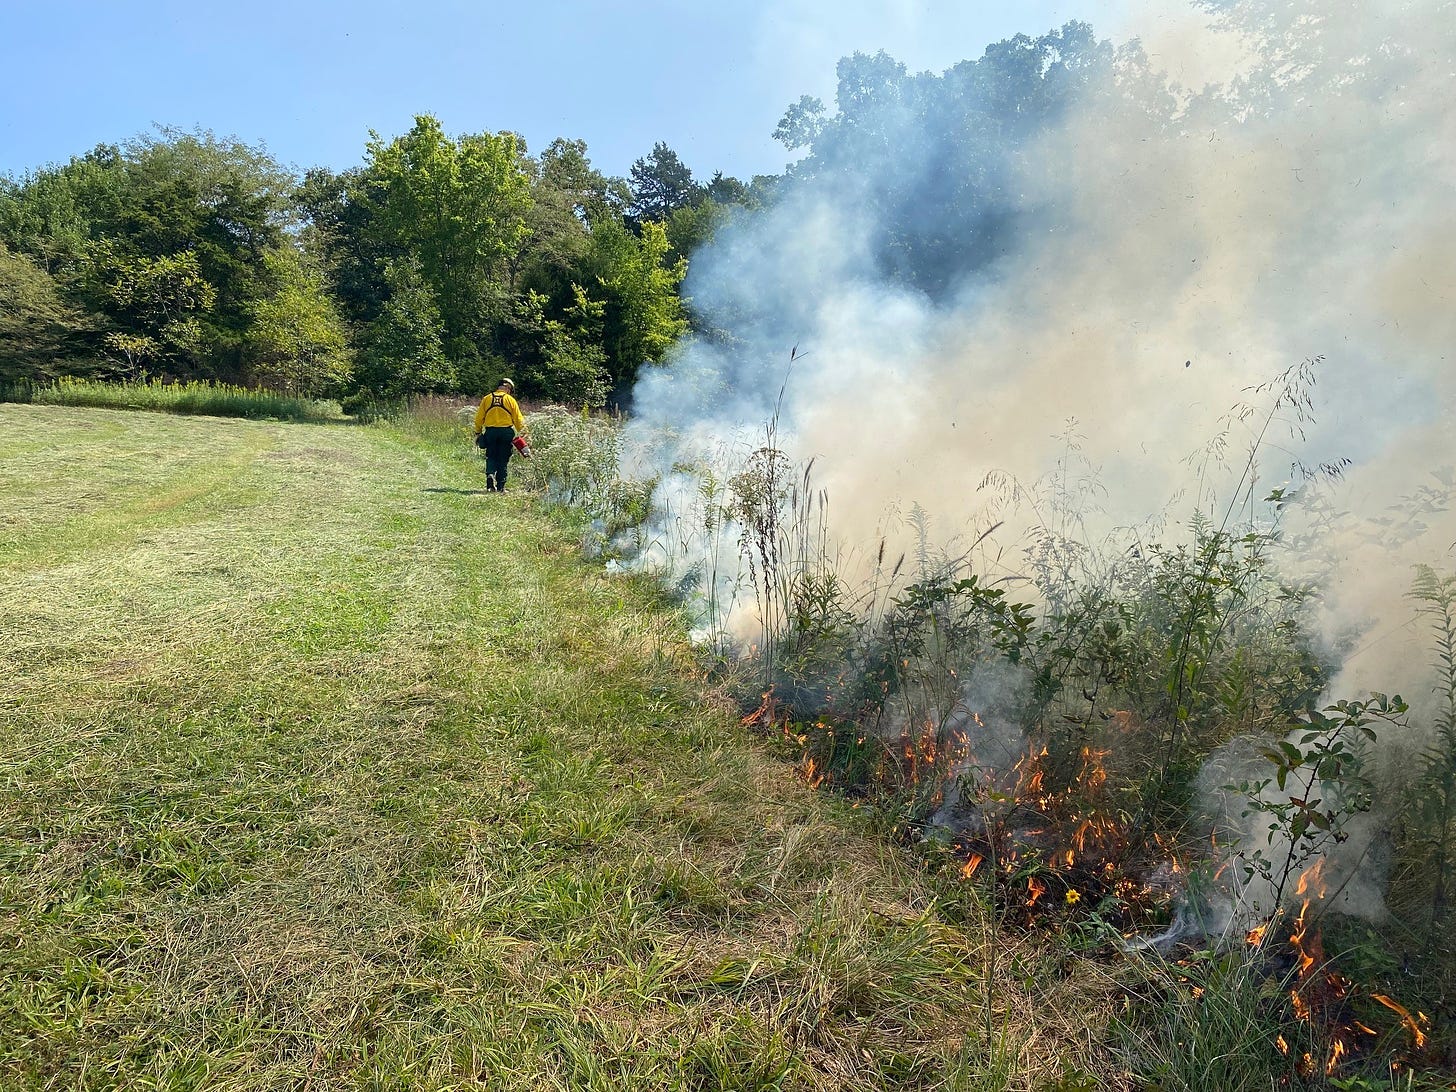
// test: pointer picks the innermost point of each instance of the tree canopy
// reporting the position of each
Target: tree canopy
(934, 155)
(442, 261)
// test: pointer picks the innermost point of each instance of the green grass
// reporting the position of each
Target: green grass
(321, 769)
(212, 399)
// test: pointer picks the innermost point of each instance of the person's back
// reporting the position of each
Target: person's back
(497, 421)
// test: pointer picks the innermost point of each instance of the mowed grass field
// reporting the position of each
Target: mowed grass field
(320, 769)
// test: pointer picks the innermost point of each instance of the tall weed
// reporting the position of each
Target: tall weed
(196, 397)
(1435, 799)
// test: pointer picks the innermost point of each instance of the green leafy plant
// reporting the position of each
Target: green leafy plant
(1319, 773)
(1211, 1023)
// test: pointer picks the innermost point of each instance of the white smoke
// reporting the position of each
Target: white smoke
(1174, 246)
(1166, 261)
(1266, 864)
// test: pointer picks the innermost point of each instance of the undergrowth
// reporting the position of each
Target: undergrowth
(196, 397)
(1048, 735)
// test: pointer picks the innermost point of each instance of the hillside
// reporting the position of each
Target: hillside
(321, 769)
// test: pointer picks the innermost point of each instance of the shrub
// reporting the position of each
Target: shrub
(573, 373)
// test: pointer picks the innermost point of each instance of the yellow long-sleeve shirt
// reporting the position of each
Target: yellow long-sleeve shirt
(497, 409)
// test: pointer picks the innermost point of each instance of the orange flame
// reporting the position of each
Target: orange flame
(1316, 994)
(1312, 877)
(1037, 890)
(1301, 1010)
(969, 868)
(1309, 954)
(1336, 1053)
(1412, 1024)
(764, 714)
(1094, 773)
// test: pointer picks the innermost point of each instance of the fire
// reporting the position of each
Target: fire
(1057, 820)
(764, 714)
(1255, 935)
(1413, 1025)
(1318, 989)
(1337, 1052)
(1301, 1009)
(1312, 877)
(1034, 783)
(1094, 773)
(812, 774)
(929, 752)
(1096, 831)
(1308, 953)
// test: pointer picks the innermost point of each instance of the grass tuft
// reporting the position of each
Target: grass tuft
(196, 398)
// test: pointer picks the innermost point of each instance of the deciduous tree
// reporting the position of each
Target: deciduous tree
(637, 284)
(297, 340)
(157, 303)
(457, 208)
(40, 333)
(403, 351)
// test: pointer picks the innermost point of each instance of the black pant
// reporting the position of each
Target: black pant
(498, 451)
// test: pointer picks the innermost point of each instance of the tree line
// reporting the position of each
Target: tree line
(437, 265)
(444, 261)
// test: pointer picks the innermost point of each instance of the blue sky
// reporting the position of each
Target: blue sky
(310, 79)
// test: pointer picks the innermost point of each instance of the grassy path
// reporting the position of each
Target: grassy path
(320, 770)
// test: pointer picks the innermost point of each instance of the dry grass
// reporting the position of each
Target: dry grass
(320, 770)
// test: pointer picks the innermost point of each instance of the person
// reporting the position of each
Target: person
(497, 422)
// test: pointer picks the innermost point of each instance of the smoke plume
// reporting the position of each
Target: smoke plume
(1065, 303)
(1139, 261)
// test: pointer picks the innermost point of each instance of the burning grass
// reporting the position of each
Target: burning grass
(1131, 757)
(1055, 831)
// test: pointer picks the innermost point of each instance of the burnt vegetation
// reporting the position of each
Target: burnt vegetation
(1134, 754)
(1128, 749)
